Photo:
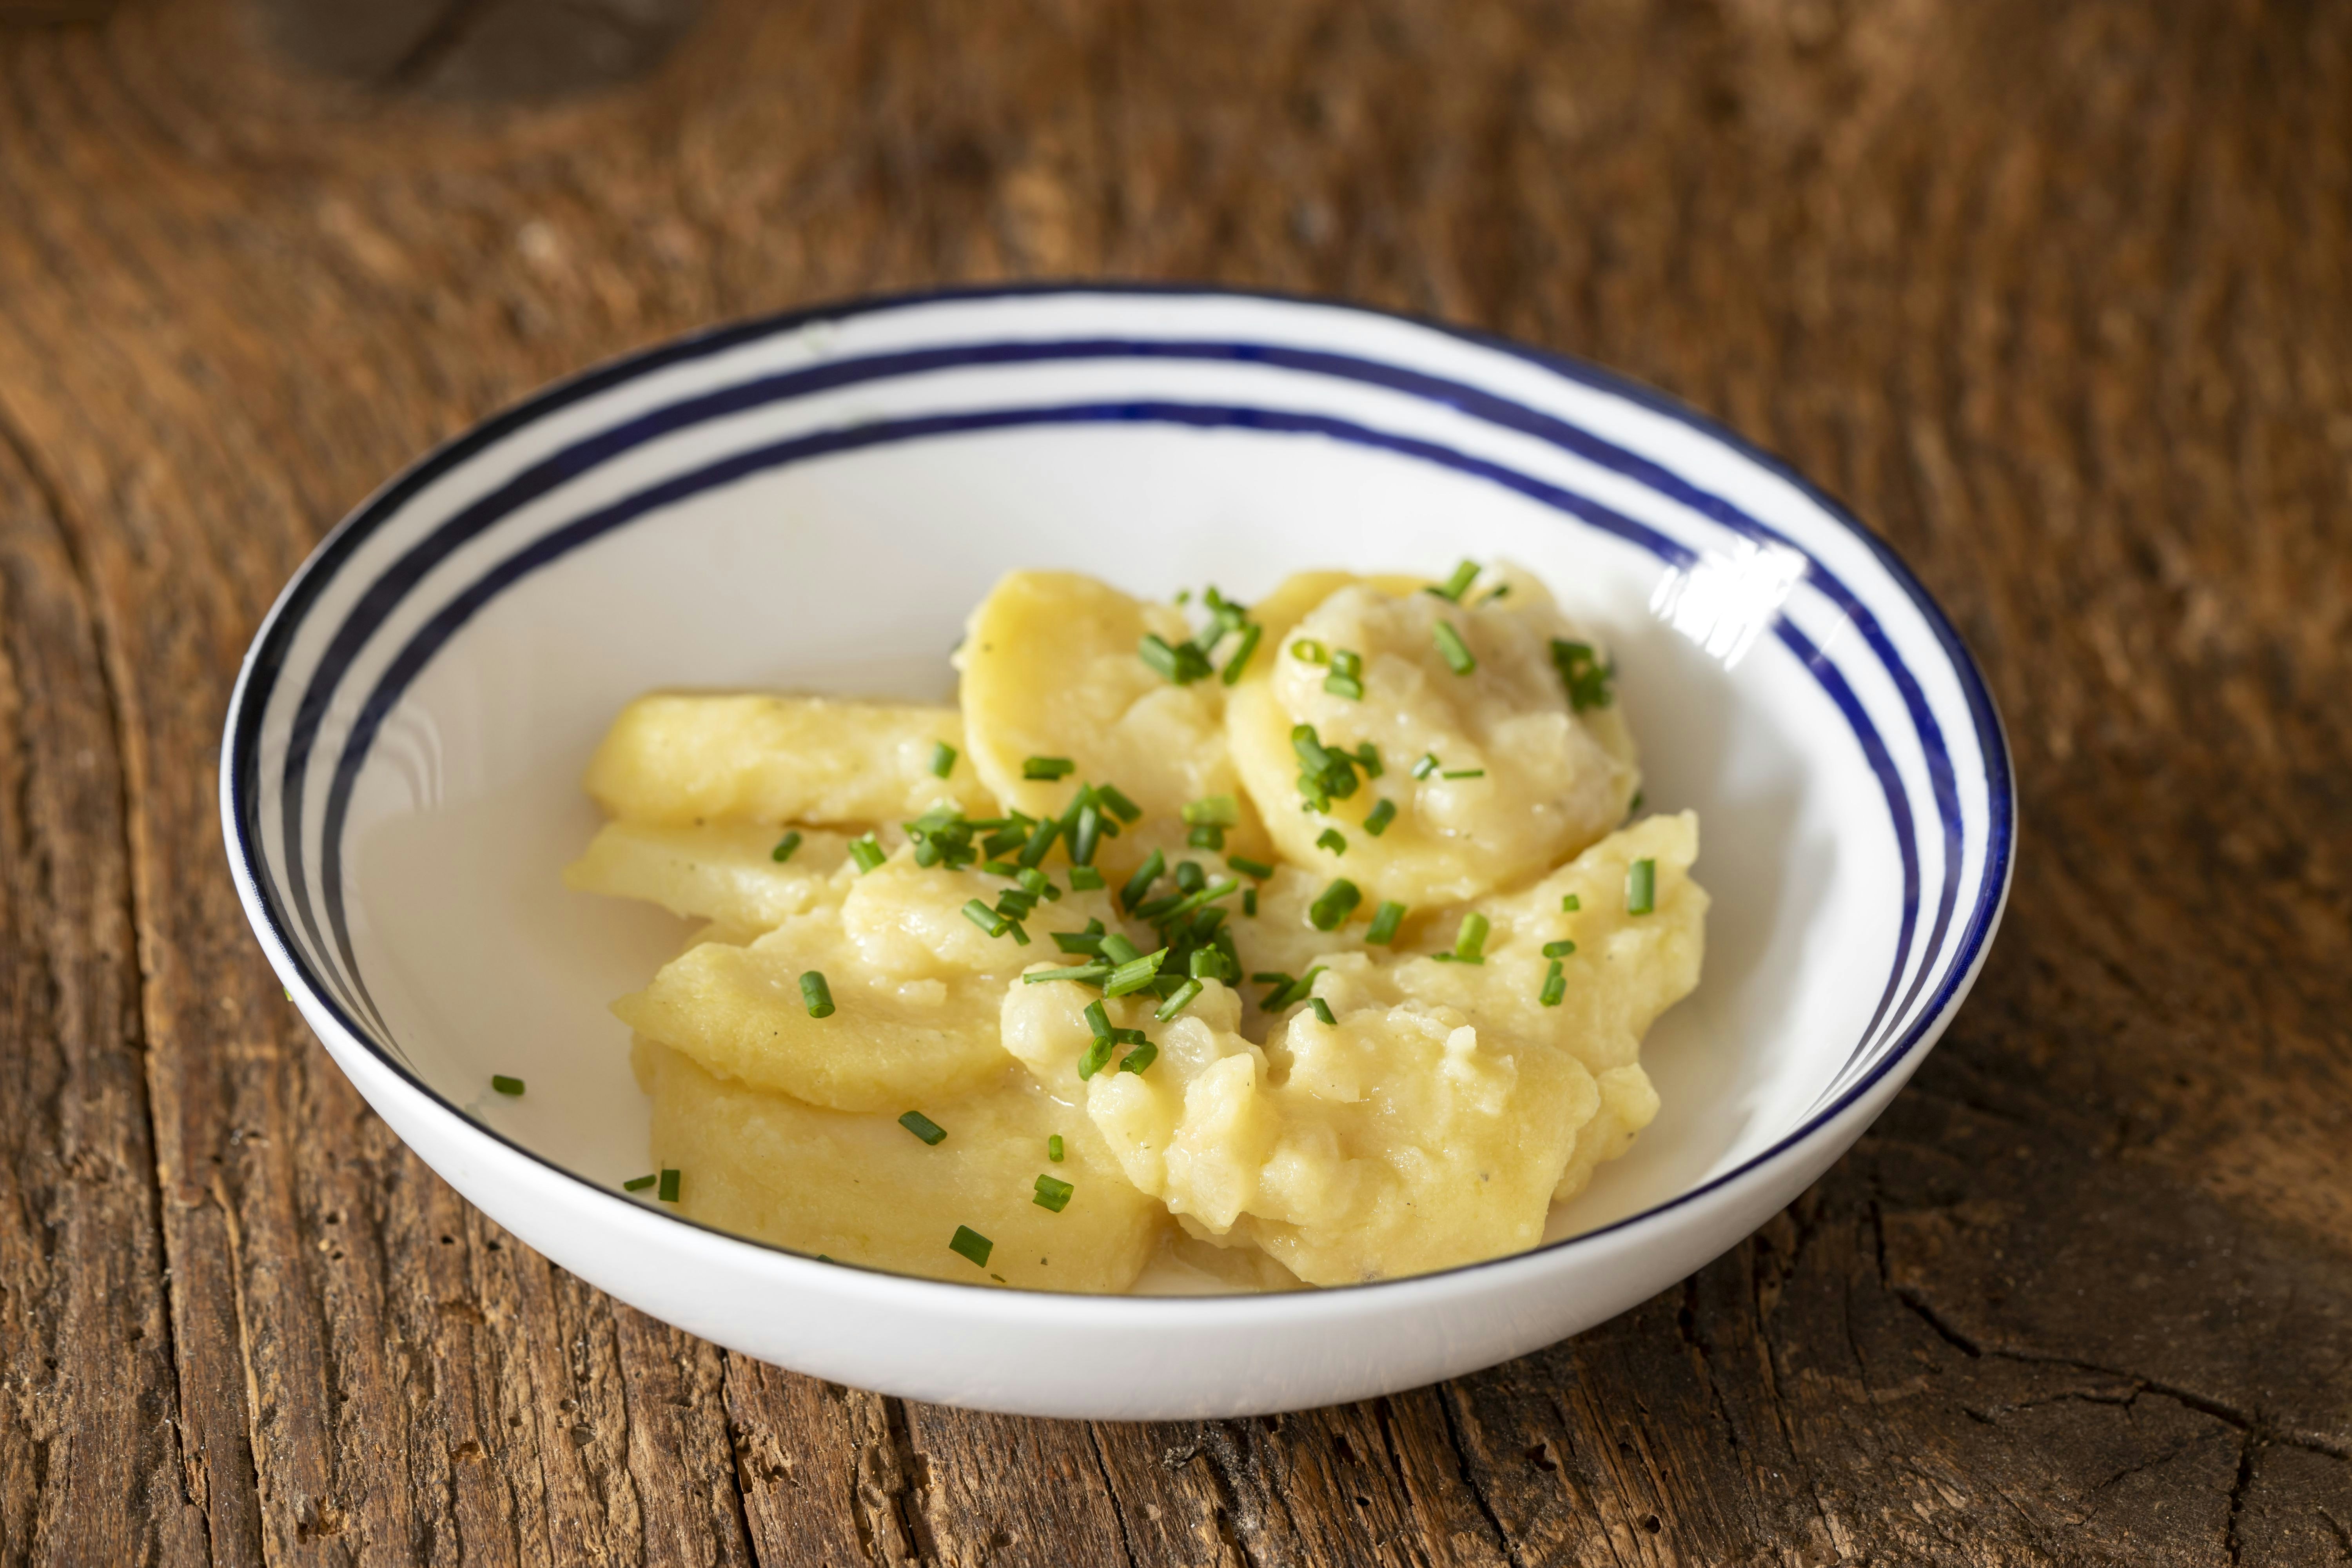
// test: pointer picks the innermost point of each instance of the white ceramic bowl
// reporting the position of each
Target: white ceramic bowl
(812, 503)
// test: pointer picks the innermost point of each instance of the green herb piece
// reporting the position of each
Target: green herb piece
(1582, 674)
(1141, 883)
(1115, 800)
(1221, 809)
(1209, 963)
(1426, 766)
(1142, 1057)
(1500, 589)
(1376, 821)
(1083, 973)
(1099, 1019)
(1054, 1148)
(1555, 986)
(1041, 839)
(817, 993)
(668, 1191)
(1014, 904)
(1005, 839)
(1249, 868)
(1323, 1012)
(1458, 585)
(1560, 949)
(1368, 757)
(1178, 1000)
(1464, 774)
(1184, 664)
(1047, 767)
(1634, 804)
(943, 760)
(967, 1243)
(1458, 657)
(1004, 868)
(923, 1127)
(1096, 1057)
(1136, 974)
(1085, 878)
(1470, 938)
(1249, 903)
(1222, 888)
(1086, 941)
(1020, 936)
(986, 918)
(639, 1184)
(868, 852)
(1334, 840)
(1641, 887)
(1347, 677)
(1570, 904)
(1242, 651)
(1184, 595)
(1189, 877)
(784, 847)
(505, 1085)
(1293, 992)
(1118, 950)
(1086, 834)
(1036, 884)
(1333, 904)
(1207, 835)
(1307, 650)
(1053, 1194)
(1385, 921)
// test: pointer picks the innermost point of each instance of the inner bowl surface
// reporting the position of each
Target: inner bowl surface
(812, 505)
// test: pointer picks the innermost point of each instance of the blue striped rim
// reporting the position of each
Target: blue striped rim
(265, 664)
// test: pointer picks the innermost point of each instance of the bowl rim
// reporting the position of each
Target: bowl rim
(265, 658)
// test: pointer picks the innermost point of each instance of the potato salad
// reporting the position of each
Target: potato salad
(1311, 942)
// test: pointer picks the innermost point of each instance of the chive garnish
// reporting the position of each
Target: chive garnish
(1189, 877)
(1376, 821)
(1116, 799)
(817, 995)
(1470, 938)
(1178, 1000)
(1347, 677)
(1426, 766)
(967, 1243)
(1041, 839)
(1136, 974)
(784, 847)
(1641, 887)
(1209, 963)
(1323, 1012)
(1570, 904)
(1143, 1055)
(1249, 903)
(1307, 650)
(1500, 590)
(1368, 757)
(1385, 922)
(1054, 1148)
(1464, 774)
(639, 1184)
(1118, 950)
(505, 1085)
(1083, 973)
(1088, 941)
(1086, 877)
(669, 1182)
(1291, 992)
(923, 1127)
(1581, 673)
(1141, 883)
(1086, 834)
(1334, 840)
(1207, 835)
(1249, 868)
(1453, 587)
(1634, 804)
(943, 760)
(1560, 949)
(1221, 809)
(1047, 767)
(1458, 657)
(868, 852)
(1555, 986)
(1242, 652)
(1053, 1194)
(983, 917)
(1333, 904)
(1182, 664)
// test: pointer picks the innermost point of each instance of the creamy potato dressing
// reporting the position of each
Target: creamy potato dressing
(1417, 1104)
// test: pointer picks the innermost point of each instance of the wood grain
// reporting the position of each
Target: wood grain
(2054, 296)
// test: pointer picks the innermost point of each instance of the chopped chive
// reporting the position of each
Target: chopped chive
(1189, 877)
(1500, 590)
(1570, 904)
(1054, 1148)
(1208, 963)
(668, 1191)
(1555, 986)
(817, 995)
(1086, 834)
(923, 1127)
(983, 917)
(1182, 664)
(1184, 595)
(1249, 903)
(1426, 766)
(1332, 906)
(1220, 809)
(1560, 949)
(1458, 585)
(1249, 868)
(506, 1085)
(1296, 991)
(1347, 662)
(1120, 806)
(1143, 1055)
(1248, 646)
(1458, 657)
(1464, 774)
(784, 847)
(1099, 1019)
(1376, 821)
(1005, 839)
(1385, 922)
(1307, 650)
(1141, 883)
(1207, 835)
(1083, 973)
(1020, 936)
(1037, 884)
(1088, 941)
(1347, 686)
(1582, 674)
(1084, 879)
(1004, 868)
(1041, 839)
(1096, 1057)
(1178, 1000)
(639, 1184)
(1053, 1194)
(967, 1243)
(1047, 767)
(1118, 950)
(1312, 753)
(1368, 757)
(868, 852)
(1225, 887)
(1323, 1012)
(1634, 804)
(1470, 938)
(1274, 977)
(1135, 974)
(943, 760)
(1641, 887)
(1334, 840)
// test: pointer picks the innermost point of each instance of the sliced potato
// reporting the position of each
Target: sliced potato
(863, 1189)
(725, 872)
(680, 760)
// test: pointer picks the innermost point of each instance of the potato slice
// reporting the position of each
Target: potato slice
(1548, 782)
(863, 1189)
(726, 872)
(681, 760)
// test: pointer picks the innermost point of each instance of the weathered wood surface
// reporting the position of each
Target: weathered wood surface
(2060, 297)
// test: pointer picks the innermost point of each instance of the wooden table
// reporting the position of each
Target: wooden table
(2058, 297)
